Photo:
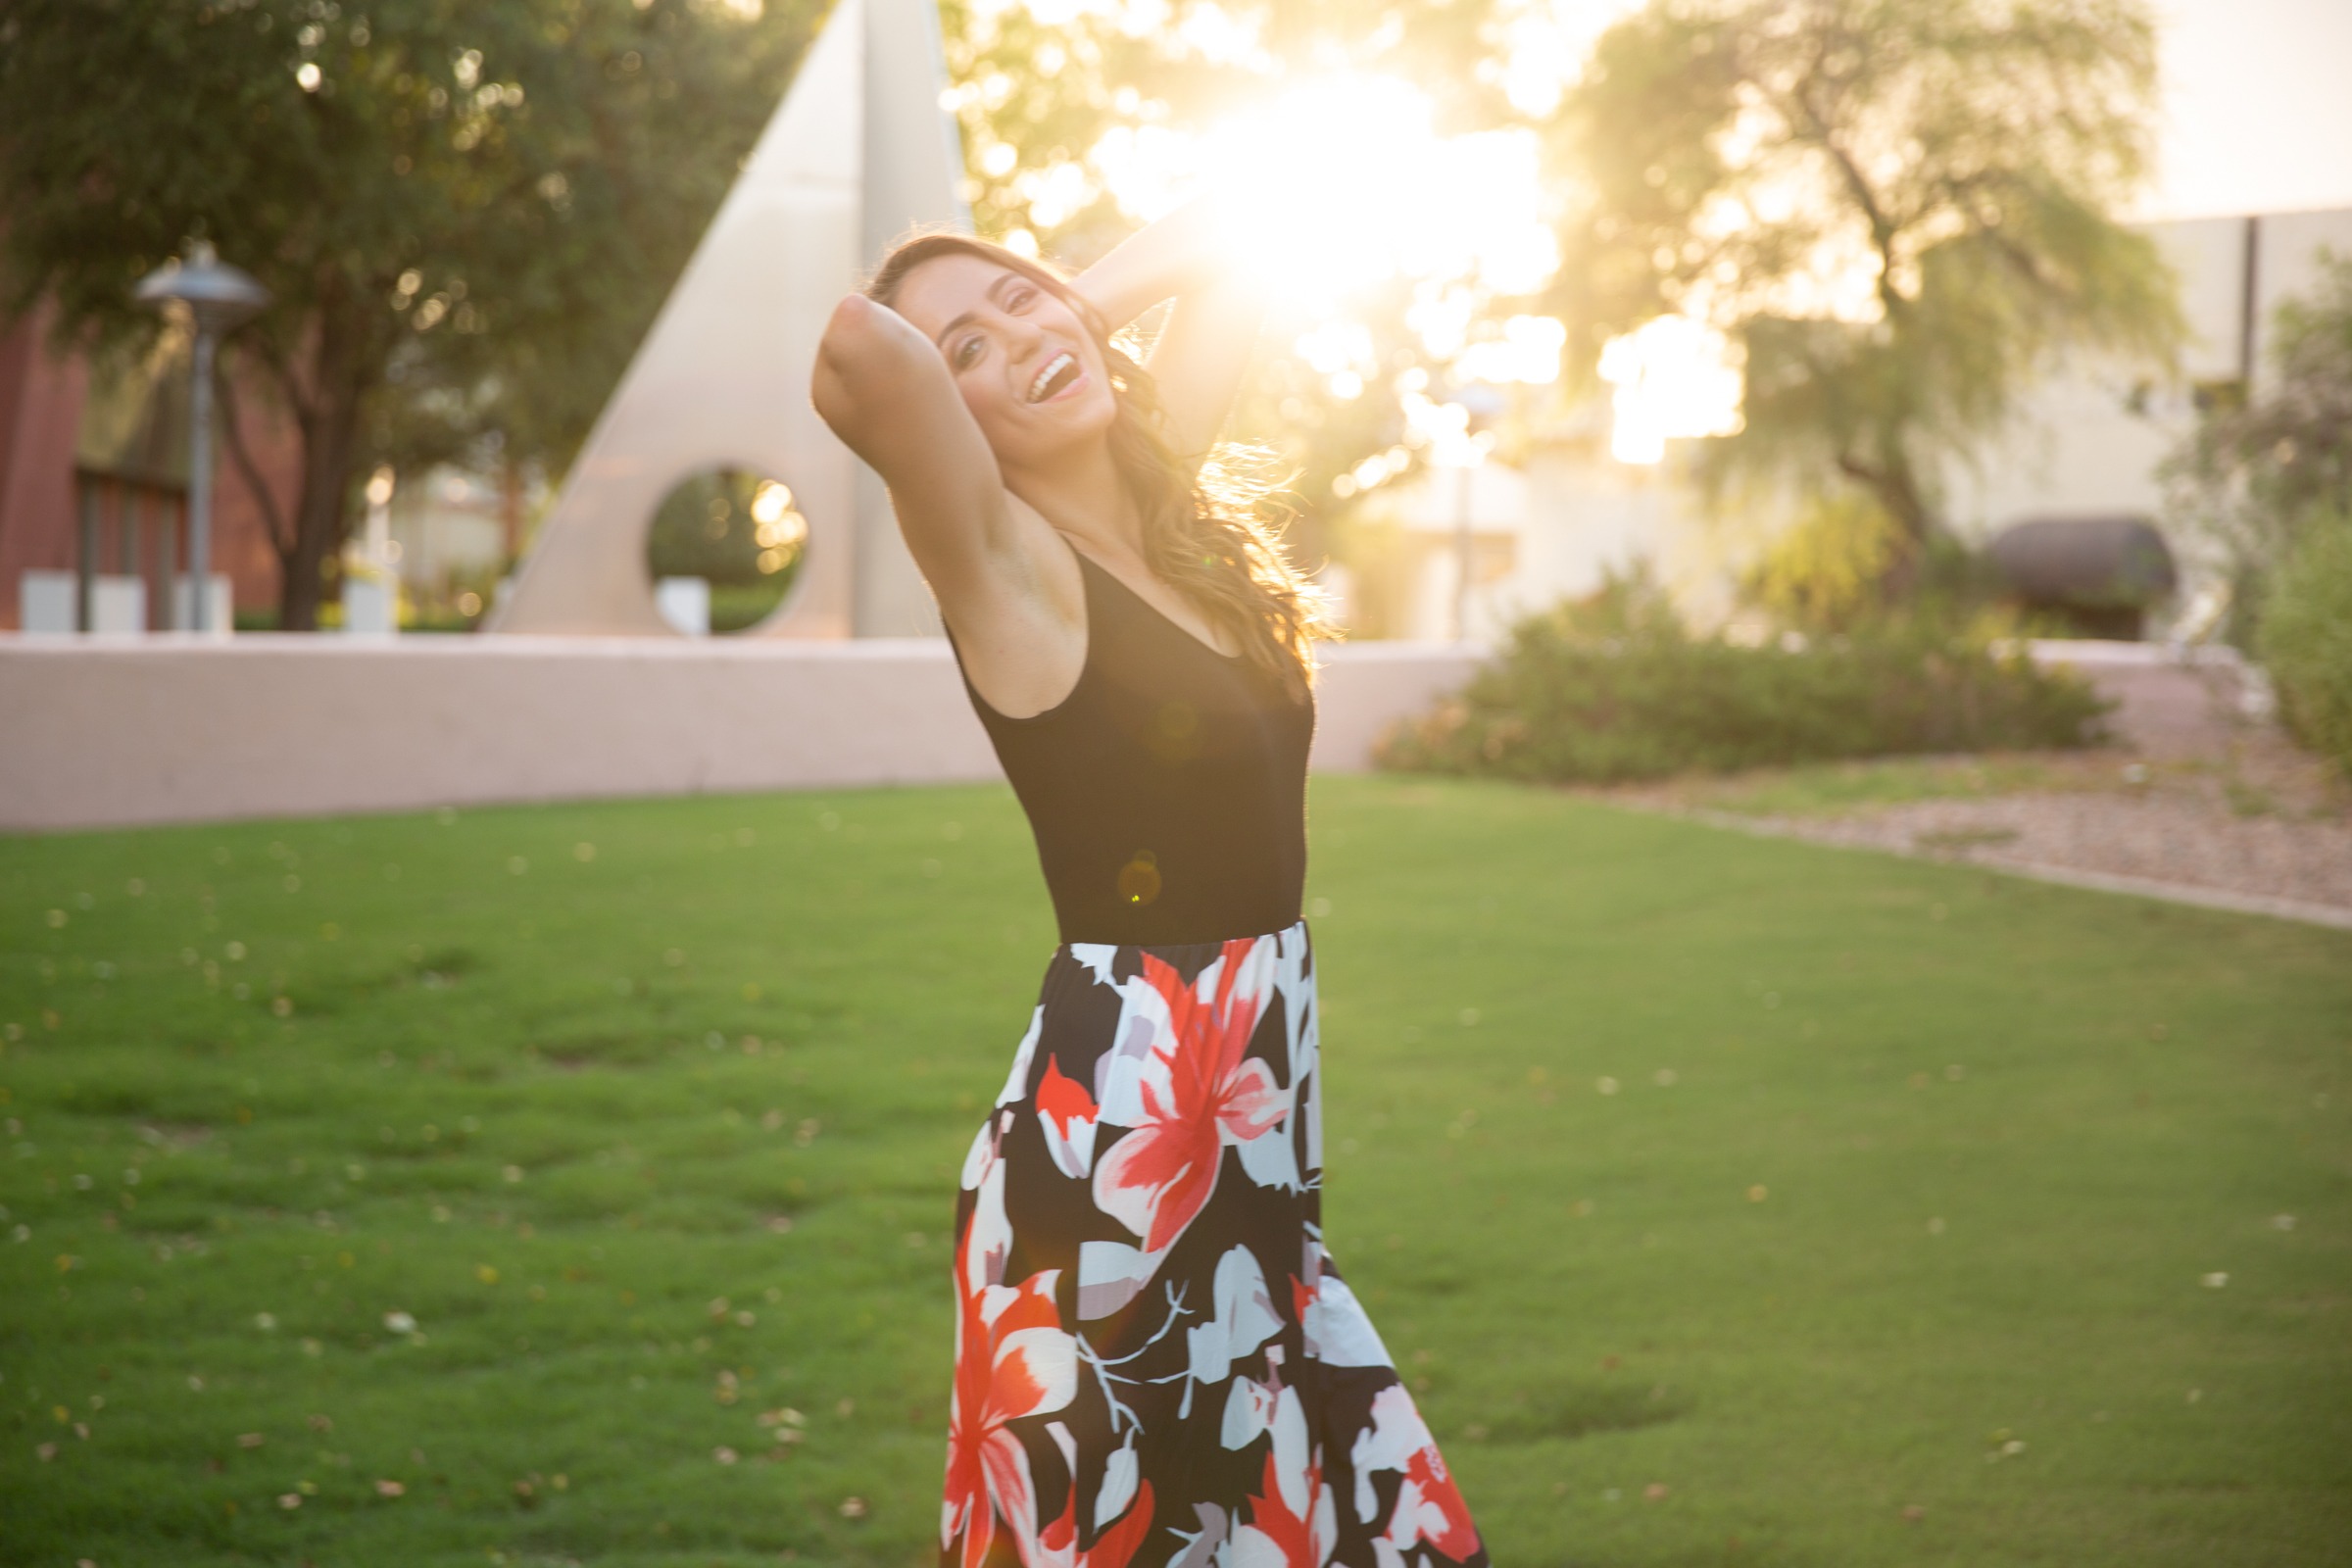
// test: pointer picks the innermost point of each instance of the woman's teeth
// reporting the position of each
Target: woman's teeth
(1046, 376)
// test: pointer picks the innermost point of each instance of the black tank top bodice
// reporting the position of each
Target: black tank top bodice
(1168, 791)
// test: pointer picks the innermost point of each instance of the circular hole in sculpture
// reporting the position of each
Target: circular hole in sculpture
(723, 551)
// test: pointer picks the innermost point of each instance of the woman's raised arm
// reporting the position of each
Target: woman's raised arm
(886, 392)
(1205, 350)
(1006, 587)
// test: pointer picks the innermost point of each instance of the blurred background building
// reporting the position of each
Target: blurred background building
(1564, 514)
(93, 479)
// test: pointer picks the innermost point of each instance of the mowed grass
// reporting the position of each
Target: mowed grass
(1725, 1200)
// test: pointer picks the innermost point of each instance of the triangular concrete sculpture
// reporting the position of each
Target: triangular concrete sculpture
(859, 151)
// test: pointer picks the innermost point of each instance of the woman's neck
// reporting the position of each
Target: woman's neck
(1084, 498)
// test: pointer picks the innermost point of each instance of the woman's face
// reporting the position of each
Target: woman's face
(1027, 367)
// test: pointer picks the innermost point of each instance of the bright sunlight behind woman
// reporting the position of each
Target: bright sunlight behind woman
(1341, 185)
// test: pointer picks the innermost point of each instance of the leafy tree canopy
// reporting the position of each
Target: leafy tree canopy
(467, 213)
(1901, 212)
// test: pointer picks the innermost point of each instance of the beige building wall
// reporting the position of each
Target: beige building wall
(2092, 436)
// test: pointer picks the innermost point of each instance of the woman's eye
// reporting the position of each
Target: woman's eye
(1021, 299)
(967, 352)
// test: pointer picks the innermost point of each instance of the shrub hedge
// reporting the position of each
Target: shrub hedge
(1617, 689)
(2306, 640)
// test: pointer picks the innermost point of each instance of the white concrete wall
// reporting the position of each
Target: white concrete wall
(107, 732)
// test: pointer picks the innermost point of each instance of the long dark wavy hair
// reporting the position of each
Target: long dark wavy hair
(1207, 533)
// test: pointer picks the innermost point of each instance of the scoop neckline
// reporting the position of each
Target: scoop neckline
(1086, 564)
(1161, 616)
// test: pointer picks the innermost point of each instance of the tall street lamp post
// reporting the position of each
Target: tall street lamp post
(217, 297)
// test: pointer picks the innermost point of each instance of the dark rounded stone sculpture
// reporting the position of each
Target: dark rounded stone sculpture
(2100, 575)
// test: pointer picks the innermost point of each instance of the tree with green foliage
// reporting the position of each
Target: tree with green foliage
(467, 213)
(2267, 479)
(2305, 638)
(1901, 211)
(2260, 473)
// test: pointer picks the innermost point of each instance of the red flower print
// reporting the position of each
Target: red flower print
(1288, 1533)
(1066, 1112)
(1113, 1549)
(1199, 1093)
(1430, 1507)
(1012, 1359)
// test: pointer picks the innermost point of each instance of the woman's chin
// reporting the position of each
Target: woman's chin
(1081, 422)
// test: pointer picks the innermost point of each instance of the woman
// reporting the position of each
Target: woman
(1155, 1361)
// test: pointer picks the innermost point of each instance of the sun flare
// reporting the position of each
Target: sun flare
(1344, 183)
(1672, 377)
(1341, 187)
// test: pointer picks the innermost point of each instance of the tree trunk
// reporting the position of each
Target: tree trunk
(341, 375)
(1896, 488)
(510, 512)
(321, 518)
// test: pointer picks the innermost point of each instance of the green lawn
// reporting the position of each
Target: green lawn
(1728, 1201)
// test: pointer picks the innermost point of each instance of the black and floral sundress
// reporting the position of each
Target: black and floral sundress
(1157, 1360)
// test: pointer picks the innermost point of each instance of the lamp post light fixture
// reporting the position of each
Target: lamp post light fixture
(216, 297)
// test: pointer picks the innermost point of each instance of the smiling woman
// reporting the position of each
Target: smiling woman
(1157, 1359)
(1054, 430)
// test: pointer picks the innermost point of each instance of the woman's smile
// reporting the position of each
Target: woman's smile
(1057, 378)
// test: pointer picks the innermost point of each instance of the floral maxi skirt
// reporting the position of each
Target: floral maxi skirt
(1155, 1360)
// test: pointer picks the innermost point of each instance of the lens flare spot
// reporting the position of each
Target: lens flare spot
(1138, 878)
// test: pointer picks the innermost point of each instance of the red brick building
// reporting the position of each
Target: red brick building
(94, 464)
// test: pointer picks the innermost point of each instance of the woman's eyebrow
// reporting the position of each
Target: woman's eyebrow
(949, 330)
